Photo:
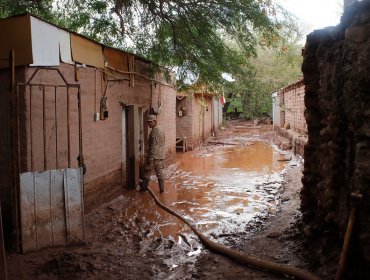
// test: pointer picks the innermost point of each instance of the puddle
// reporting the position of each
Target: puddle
(220, 191)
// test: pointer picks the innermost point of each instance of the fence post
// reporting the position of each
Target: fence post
(14, 148)
(2, 251)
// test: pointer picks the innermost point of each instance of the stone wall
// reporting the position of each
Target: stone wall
(336, 71)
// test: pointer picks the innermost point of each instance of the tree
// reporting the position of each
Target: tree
(272, 69)
(190, 34)
(39, 7)
(203, 37)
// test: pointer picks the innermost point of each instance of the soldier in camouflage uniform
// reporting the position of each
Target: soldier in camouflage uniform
(154, 155)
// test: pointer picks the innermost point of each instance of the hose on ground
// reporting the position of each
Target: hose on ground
(240, 257)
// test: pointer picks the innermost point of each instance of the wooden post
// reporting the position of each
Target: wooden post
(15, 151)
(2, 251)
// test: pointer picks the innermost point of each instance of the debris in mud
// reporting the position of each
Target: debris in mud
(202, 155)
(214, 142)
(194, 253)
(231, 192)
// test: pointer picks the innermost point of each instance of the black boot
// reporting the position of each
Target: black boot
(161, 185)
(144, 185)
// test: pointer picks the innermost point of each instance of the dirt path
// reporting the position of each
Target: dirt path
(129, 248)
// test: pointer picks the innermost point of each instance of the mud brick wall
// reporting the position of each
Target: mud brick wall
(102, 140)
(336, 71)
(184, 124)
(167, 119)
(200, 124)
(191, 124)
(293, 98)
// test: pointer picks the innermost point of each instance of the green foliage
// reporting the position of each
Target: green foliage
(272, 69)
(42, 8)
(205, 38)
(201, 36)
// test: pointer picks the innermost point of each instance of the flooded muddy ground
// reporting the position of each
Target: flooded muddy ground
(240, 189)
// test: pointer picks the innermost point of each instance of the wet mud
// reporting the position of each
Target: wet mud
(220, 190)
(234, 193)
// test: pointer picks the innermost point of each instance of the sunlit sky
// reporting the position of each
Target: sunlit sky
(316, 14)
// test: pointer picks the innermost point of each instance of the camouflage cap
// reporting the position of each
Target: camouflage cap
(151, 118)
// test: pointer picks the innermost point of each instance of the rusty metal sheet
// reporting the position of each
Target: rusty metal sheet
(58, 213)
(51, 208)
(86, 51)
(43, 209)
(15, 33)
(116, 59)
(28, 212)
(74, 205)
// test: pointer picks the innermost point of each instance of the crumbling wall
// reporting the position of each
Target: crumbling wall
(294, 106)
(289, 120)
(336, 71)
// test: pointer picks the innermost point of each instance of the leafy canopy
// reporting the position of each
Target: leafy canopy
(270, 70)
(206, 37)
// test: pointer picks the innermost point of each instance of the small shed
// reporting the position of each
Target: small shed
(198, 116)
(72, 116)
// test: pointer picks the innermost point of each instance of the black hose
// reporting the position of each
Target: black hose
(241, 257)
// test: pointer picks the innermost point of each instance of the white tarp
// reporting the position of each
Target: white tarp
(65, 46)
(45, 43)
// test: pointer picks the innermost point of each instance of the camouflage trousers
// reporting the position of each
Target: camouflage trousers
(158, 166)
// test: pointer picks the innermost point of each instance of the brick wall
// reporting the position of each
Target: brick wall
(167, 118)
(293, 100)
(196, 125)
(184, 124)
(201, 120)
(102, 140)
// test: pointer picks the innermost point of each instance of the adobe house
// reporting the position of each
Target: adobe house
(198, 116)
(288, 114)
(72, 116)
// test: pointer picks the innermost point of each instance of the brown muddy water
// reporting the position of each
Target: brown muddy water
(221, 190)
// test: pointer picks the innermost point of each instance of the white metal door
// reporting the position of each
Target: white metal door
(51, 208)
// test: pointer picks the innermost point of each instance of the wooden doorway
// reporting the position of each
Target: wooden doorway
(133, 135)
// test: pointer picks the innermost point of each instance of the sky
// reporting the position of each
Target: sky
(316, 14)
